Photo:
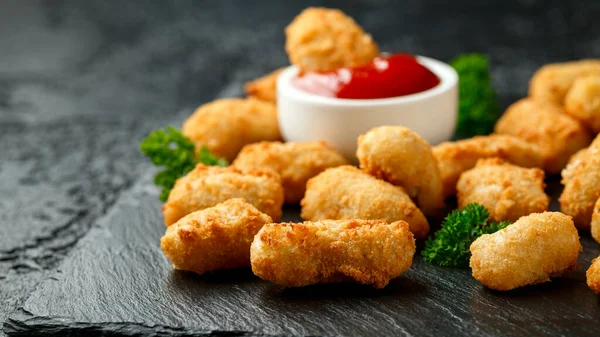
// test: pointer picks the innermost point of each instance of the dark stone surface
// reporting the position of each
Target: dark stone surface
(81, 82)
(118, 282)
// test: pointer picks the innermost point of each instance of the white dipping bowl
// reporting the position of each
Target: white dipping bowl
(308, 117)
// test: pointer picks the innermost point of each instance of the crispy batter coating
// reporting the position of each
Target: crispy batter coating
(507, 191)
(321, 39)
(581, 178)
(595, 143)
(400, 156)
(206, 186)
(593, 275)
(365, 251)
(264, 88)
(558, 135)
(346, 192)
(295, 162)
(218, 237)
(224, 126)
(454, 158)
(551, 82)
(530, 251)
(583, 101)
(595, 224)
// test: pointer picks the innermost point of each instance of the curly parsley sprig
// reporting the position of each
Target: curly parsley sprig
(450, 248)
(170, 149)
(478, 104)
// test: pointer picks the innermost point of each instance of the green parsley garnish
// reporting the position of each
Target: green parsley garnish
(460, 228)
(170, 149)
(478, 105)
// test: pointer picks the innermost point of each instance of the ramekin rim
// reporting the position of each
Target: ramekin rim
(448, 80)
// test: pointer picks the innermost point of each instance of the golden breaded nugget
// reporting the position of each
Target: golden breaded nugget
(578, 156)
(226, 125)
(346, 192)
(595, 224)
(507, 191)
(365, 251)
(582, 187)
(530, 251)
(595, 143)
(583, 101)
(400, 156)
(264, 88)
(551, 82)
(206, 186)
(593, 275)
(321, 39)
(558, 135)
(454, 158)
(218, 237)
(295, 162)
(583, 154)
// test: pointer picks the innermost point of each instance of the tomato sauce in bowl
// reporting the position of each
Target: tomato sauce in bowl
(388, 76)
(310, 110)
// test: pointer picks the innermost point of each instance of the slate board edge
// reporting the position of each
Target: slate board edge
(23, 323)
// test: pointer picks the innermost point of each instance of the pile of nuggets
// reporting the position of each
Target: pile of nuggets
(361, 222)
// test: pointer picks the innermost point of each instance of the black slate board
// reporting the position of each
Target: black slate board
(83, 81)
(118, 282)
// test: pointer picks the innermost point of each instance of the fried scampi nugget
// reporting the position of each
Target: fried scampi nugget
(558, 135)
(321, 39)
(595, 143)
(226, 125)
(583, 101)
(206, 186)
(530, 251)
(454, 158)
(581, 179)
(365, 251)
(346, 192)
(595, 224)
(295, 162)
(551, 82)
(264, 88)
(400, 156)
(218, 237)
(593, 275)
(507, 191)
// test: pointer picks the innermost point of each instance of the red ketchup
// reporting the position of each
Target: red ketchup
(386, 76)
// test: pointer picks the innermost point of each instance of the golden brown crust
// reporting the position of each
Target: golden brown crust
(530, 251)
(264, 88)
(218, 237)
(295, 162)
(581, 179)
(454, 158)
(321, 39)
(206, 186)
(507, 191)
(583, 101)
(558, 135)
(552, 82)
(366, 251)
(593, 275)
(224, 126)
(400, 156)
(595, 224)
(595, 143)
(346, 192)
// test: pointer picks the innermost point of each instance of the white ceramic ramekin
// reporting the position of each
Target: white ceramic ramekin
(308, 117)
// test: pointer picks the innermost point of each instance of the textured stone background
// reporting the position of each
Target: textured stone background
(82, 82)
